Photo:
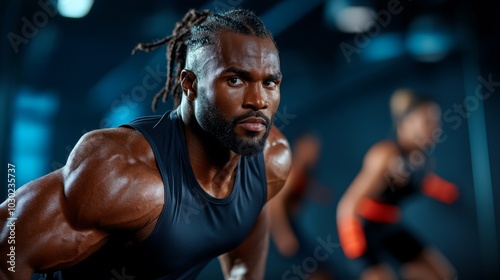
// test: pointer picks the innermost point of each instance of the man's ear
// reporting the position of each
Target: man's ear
(189, 84)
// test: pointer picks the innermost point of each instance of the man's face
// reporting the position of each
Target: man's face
(238, 91)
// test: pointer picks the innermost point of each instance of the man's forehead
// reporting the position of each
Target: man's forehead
(232, 38)
(231, 48)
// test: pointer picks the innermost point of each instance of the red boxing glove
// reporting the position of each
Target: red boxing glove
(440, 189)
(352, 237)
(379, 212)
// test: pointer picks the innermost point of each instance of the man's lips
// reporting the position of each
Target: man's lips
(254, 120)
(253, 124)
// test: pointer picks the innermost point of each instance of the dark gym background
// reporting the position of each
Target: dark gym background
(61, 77)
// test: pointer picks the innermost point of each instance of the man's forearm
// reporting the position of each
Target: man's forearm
(251, 255)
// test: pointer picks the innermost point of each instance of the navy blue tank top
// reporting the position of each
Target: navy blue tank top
(193, 227)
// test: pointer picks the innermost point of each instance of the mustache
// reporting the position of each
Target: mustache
(258, 114)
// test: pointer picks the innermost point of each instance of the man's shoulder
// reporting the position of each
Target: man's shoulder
(276, 138)
(278, 160)
(277, 149)
(116, 168)
(103, 143)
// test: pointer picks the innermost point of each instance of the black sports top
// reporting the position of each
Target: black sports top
(193, 227)
(414, 168)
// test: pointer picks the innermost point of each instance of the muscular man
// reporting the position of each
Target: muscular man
(160, 197)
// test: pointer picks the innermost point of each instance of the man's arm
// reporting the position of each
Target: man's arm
(44, 236)
(248, 261)
(251, 255)
(67, 215)
(281, 230)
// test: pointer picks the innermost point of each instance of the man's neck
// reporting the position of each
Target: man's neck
(214, 166)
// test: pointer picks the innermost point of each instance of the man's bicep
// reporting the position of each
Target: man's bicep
(54, 222)
(39, 232)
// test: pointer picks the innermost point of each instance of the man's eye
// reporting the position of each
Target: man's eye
(235, 81)
(270, 83)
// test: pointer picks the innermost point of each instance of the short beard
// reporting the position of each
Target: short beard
(214, 124)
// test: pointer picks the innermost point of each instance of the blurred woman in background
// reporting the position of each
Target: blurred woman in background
(368, 214)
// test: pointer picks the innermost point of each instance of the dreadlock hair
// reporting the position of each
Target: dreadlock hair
(197, 29)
